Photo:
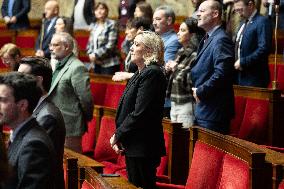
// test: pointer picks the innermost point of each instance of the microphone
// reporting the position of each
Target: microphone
(270, 7)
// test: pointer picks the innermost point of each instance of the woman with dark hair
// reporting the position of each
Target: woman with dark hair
(179, 86)
(139, 130)
(133, 27)
(102, 44)
(143, 9)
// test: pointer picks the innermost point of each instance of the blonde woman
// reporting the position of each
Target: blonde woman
(139, 132)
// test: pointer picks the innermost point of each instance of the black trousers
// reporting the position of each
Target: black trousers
(141, 171)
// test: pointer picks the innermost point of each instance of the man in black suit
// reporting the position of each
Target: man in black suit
(51, 11)
(212, 74)
(46, 113)
(30, 154)
(15, 13)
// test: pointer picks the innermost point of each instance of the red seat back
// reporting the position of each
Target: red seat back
(113, 94)
(240, 104)
(255, 122)
(235, 173)
(206, 166)
(88, 139)
(98, 91)
(103, 150)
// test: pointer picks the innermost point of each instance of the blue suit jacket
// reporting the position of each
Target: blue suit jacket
(46, 40)
(212, 75)
(254, 51)
(21, 8)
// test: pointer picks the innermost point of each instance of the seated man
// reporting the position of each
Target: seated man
(30, 152)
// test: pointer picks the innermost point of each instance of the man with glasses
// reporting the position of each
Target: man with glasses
(252, 46)
(70, 89)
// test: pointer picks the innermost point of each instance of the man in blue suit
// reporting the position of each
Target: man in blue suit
(51, 11)
(212, 74)
(253, 43)
(15, 13)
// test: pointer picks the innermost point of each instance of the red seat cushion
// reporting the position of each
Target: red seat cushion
(25, 41)
(281, 185)
(111, 167)
(113, 94)
(206, 166)
(89, 137)
(235, 173)
(255, 122)
(240, 104)
(103, 150)
(280, 77)
(98, 91)
(162, 169)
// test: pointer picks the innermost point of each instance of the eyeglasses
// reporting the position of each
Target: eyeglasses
(54, 44)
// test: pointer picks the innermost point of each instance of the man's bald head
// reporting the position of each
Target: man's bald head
(51, 9)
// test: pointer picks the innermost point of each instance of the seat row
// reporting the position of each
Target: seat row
(213, 161)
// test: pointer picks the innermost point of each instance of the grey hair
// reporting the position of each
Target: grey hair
(169, 12)
(66, 38)
(155, 47)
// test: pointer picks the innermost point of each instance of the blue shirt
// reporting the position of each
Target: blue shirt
(10, 7)
(171, 45)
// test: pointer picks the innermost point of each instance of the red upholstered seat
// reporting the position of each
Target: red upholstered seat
(111, 167)
(26, 38)
(255, 121)
(162, 169)
(103, 150)
(235, 173)
(206, 167)
(88, 139)
(240, 104)
(113, 94)
(98, 92)
(281, 185)
(280, 77)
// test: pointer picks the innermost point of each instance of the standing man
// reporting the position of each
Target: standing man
(30, 153)
(51, 12)
(70, 90)
(46, 113)
(212, 74)
(253, 43)
(15, 13)
(163, 22)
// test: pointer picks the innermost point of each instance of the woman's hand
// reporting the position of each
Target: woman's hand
(115, 145)
(170, 65)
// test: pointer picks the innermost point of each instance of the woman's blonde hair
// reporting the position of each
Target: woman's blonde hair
(155, 47)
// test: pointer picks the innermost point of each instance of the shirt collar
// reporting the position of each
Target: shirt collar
(212, 30)
(14, 132)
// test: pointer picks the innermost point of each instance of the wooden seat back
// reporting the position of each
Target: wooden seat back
(258, 115)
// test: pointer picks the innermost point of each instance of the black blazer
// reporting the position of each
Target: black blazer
(46, 40)
(32, 159)
(50, 118)
(140, 112)
(21, 8)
